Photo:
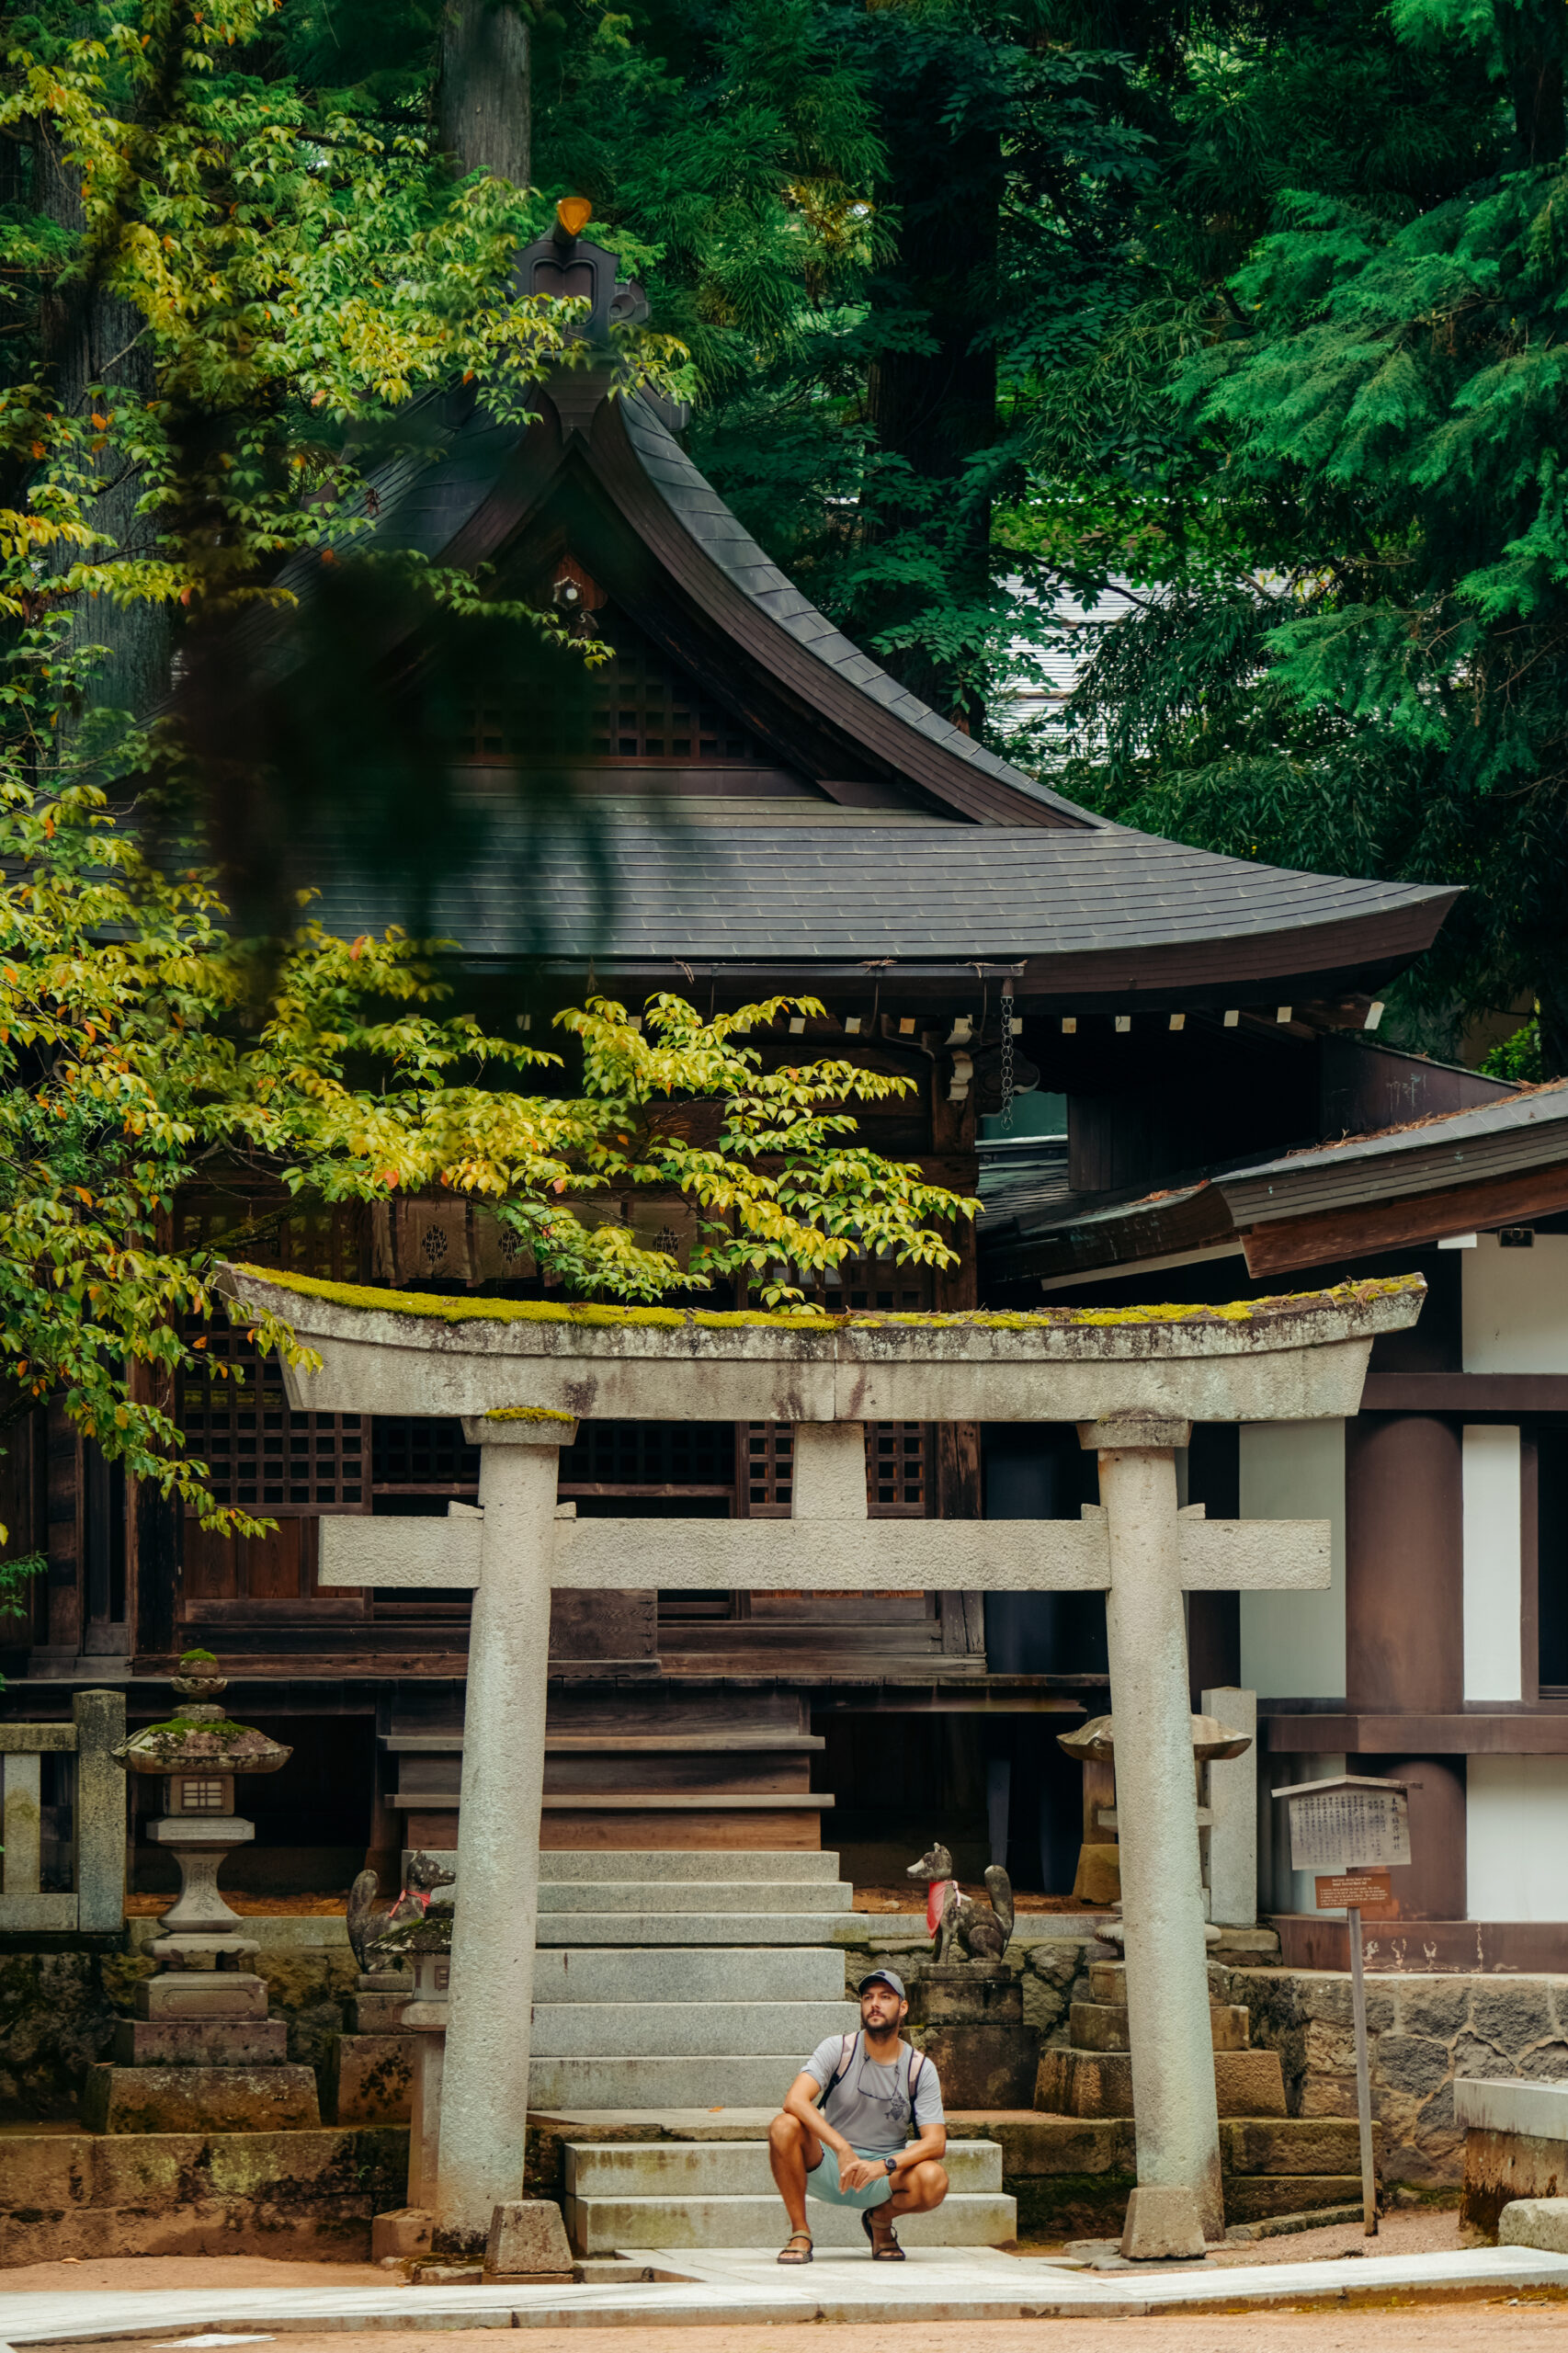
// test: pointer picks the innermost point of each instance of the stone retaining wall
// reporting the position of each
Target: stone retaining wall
(1423, 2031)
(59, 2010)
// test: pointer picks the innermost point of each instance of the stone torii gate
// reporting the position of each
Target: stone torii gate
(520, 1374)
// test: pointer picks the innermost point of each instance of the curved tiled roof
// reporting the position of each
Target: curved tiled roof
(793, 892)
(720, 534)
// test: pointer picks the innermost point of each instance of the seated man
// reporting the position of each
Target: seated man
(843, 2134)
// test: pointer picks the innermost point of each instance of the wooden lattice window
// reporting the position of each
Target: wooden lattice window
(327, 1241)
(636, 706)
(650, 1459)
(770, 1468)
(412, 1456)
(263, 1456)
(896, 1462)
(896, 1470)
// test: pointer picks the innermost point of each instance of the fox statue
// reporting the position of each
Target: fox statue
(955, 1919)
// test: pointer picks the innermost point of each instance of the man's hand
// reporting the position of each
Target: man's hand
(860, 2172)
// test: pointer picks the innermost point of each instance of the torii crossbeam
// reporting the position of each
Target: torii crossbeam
(520, 1374)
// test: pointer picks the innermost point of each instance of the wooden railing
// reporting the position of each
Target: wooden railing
(97, 1901)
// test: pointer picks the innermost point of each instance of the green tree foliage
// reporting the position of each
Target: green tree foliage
(298, 275)
(1343, 646)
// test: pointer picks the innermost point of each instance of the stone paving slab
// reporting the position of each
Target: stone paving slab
(741, 2286)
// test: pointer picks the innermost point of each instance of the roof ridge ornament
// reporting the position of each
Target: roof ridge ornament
(566, 264)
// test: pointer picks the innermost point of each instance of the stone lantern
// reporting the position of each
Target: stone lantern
(202, 2053)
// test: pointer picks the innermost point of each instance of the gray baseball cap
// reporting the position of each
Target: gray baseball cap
(883, 1977)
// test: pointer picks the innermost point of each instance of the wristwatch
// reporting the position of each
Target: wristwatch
(892, 2163)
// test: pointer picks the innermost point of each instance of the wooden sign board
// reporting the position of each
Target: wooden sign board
(1369, 1892)
(1349, 1829)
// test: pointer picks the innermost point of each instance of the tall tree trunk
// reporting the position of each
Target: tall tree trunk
(936, 408)
(1533, 45)
(483, 102)
(91, 339)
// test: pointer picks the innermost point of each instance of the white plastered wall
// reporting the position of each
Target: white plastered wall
(1293, 1643)
(1517, 1837)
(1494, 1666)
(1516, 1306)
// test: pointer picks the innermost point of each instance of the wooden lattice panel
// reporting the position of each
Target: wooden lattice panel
(897, 1460)
(651, 1459)
(636, 706)
(415, 1456)
(263, 1457)
(768, 1469)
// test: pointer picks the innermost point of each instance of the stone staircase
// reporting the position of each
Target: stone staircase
(675, 1996)
(721, 2194)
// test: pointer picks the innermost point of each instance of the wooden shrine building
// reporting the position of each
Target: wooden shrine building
(1100, 1023)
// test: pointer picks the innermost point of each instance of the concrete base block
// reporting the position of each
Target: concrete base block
(204, 1993)
(200, 2100)
(983, 2066)
(200, 2042)
(1508, 2168)
(1540, 2223)
(1162, 2224)
(405, 2230)
(527, 2241)
(378, 2013)
(368, 2078)
(1099, 1879)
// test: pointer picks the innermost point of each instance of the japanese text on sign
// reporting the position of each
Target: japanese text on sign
(1338, 1830)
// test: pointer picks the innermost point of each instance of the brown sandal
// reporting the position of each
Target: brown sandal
(889, 2250)
(787, 2253)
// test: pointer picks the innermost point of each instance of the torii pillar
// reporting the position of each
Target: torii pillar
(1132, 1385)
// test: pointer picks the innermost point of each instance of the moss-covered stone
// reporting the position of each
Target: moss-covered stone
(438, 1307)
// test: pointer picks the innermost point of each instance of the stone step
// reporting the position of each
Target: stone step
(687, 2030)
(1102, 2026)
(1099, 2083)
(1029, 1928)
(768, 1864)
(695, 1896)
(196, 2100)
(303, 2194)
(686, 1927)
(1107, 1981)
(742, 2079)
(727, 2169)
(1295, 2145)
(1256, 2198)
(714, 1973)
(611, 2225)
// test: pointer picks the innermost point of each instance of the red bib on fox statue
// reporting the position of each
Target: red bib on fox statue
(936, 1898)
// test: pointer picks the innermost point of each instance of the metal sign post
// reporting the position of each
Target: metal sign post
(1352, 1831)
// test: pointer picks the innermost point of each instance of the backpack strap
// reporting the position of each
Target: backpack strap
(846, 2052)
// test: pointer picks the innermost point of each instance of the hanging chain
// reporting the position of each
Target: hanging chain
(1007, 1059)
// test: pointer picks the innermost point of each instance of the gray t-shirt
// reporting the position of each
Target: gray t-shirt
(871, 2104)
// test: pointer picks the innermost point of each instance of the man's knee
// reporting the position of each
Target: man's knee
(933, 2180)
(785, 2131)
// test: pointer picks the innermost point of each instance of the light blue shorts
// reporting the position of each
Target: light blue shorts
(822, 2181)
